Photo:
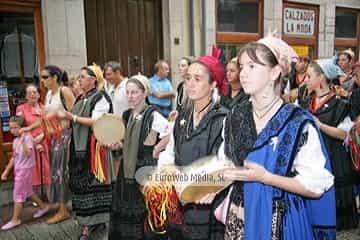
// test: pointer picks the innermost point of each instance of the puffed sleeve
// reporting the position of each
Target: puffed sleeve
(346, 124)
(160, 125)
(309, 163)
(168, 155)
(101, 107)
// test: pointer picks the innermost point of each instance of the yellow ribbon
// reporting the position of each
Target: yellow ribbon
(99, 171)
(164, 191)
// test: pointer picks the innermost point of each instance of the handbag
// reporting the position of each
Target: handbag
(222, 210)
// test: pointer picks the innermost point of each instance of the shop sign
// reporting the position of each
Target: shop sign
(301, 50)
(299, 21)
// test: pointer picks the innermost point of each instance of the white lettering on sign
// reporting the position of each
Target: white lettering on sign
(299, 21)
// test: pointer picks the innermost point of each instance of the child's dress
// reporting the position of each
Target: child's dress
(23, 167)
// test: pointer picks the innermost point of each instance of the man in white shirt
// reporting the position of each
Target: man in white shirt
(117, 92)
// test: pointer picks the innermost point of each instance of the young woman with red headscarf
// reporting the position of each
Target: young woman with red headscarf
(197, 133)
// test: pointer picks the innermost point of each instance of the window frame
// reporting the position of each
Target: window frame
(241, 37)
(353, 43)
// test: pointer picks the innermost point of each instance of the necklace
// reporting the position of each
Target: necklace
(201, 110)
(265, 107)
(196, 115)
(269, 107)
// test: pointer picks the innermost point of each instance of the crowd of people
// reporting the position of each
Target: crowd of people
(281, 118)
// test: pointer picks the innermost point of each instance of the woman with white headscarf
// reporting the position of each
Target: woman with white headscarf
(332, 116)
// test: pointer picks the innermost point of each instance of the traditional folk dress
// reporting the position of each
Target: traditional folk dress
(187, 144)
(335, 112)
(229, 102)
(91, 195)
(262, 212)
(128, 208)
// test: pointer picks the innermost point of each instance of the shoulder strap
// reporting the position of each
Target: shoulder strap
(126, 116)
(97, 98)
(62, 98)
(145, 128)
(108, 99)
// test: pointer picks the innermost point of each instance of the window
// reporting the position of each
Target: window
(347, 32)
(345, 24)
(300, 28)
(232, 15)
(238, 22)
(18, 60)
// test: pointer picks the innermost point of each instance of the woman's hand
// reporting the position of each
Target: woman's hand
(24, 130)
(251, 172)
(65, 115)
(317, 121)
(115, 146)
(4, 176)
(156, 151)
(39, 148)
(173, 115)
(207, 199)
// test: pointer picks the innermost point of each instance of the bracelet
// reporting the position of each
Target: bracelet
(74, 118)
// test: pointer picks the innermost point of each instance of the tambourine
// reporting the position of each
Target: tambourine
(202, 177)
(109, 128)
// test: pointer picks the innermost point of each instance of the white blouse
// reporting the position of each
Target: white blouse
(101, 107)
(53, 102)
(160, 125)
(168, 155)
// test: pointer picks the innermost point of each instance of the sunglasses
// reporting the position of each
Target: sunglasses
(84, 76)
(45, 76)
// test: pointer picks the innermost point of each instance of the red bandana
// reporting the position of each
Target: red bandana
(216, 69)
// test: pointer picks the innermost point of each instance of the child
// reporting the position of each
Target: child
(23, 161)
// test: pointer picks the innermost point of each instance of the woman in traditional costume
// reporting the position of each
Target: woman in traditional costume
(197, 133)
(144, 127)
(332, 116)
(283, 190)
(181, 99)
(90, 177)
(345, 59)
(236, 93)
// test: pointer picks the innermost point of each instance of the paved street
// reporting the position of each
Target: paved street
(39, 230)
